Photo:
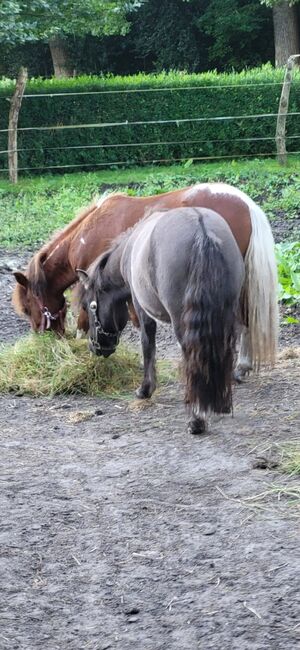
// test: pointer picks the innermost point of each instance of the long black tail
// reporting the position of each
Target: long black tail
(208, 327)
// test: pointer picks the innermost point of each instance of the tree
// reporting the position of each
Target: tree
(286, 29)
(53, 21)
(165, 35)
(239, 32)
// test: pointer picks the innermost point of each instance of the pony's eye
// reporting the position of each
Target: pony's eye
(93, 305)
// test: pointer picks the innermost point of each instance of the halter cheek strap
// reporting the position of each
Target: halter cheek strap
(99, 330)
(47, 317)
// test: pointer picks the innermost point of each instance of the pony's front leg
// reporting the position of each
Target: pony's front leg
(244, 362)
(82, 324)
(148, 332)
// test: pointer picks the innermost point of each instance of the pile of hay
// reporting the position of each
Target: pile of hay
(47, 365)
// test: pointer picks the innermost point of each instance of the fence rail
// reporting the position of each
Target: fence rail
(155, 90)
(124, 163)
(177, 121)
(148, 144)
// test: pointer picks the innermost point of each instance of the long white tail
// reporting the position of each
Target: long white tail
(261, 290)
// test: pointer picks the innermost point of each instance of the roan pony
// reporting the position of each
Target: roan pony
(39, 293)
(184, 267)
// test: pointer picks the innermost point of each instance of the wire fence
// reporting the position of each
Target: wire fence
(177, 121)
(124, 163)
(156, 90)
(212, 143)
(146, 144)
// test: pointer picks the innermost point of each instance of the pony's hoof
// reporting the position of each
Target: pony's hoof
(226, 409)
(241, 372)
(237, 377)
(142, 393)
(197, 426)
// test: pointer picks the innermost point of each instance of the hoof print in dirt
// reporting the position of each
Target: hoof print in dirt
(209, 530)
(132, 611)
(264, 463)
(99, 412)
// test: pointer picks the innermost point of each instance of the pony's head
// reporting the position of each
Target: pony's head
(37, 300)
(106, 306)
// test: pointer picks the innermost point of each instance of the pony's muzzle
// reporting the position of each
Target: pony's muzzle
(100, 352)
(107, 353)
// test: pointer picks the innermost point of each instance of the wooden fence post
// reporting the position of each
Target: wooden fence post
(15, 105)
(282, 111)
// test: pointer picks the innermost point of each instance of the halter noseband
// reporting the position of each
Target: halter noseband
(47, 317)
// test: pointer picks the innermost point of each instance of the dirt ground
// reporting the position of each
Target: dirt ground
(119, 530)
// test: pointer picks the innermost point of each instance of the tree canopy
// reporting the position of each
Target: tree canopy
(127, 36)
(33, 20)
(271, 3)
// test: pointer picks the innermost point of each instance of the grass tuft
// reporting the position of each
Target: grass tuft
(291, 459)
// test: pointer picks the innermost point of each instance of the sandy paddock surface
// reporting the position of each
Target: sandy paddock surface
(119, 530)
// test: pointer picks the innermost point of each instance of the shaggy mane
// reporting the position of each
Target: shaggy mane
(34, 271)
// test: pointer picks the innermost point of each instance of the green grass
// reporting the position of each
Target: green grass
(48, 365)
(291, 458)
(34, 208)
(288, 261)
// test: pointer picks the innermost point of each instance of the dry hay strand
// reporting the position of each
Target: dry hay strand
(289, 353)
(140, 405)
(49, 365)
(80, 416)
(273, 496)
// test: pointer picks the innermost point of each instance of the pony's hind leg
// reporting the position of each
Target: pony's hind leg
(197, 423)
(148, 332)
(244, 362)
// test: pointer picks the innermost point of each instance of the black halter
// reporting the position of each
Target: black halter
(100, 330)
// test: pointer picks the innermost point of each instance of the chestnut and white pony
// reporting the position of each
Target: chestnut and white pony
(39, 293)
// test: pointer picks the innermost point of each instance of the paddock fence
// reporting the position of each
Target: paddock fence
(143, 126)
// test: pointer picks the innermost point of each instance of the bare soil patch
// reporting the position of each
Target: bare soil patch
(119, 530)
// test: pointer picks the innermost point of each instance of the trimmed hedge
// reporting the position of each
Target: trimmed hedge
(213, 95)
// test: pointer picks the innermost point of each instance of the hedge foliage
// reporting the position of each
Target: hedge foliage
(213, 95)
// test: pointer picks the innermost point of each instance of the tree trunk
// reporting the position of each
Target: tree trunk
(60, 57)
(286, 32)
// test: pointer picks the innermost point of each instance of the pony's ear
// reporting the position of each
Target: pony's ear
(42, 258)
(83, 277)
(103, 260)
(21, 279)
